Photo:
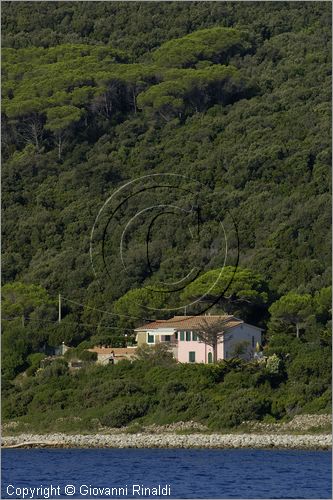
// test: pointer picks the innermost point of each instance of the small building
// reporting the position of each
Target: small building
(60, 349)
(107, 355)
(181, 334)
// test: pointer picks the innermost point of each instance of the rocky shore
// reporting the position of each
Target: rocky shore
(167, 440)
(300, 423)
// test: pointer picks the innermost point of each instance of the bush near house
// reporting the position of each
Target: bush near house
(220, 396)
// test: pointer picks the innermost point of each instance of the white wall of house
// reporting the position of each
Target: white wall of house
(165, 335)
(104, 359)
(61, 349)
(241, 333)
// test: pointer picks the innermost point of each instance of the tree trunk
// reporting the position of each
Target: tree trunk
(164, 117)
(35, 135)
(33, 132)
(59, 147)
(297, 330)
(214, 346)
(134, 100)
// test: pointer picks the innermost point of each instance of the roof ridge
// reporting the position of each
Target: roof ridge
(188, 322)
(202, 316)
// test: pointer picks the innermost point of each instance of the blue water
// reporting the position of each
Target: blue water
(190, 473)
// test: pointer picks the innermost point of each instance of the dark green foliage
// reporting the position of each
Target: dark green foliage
(15, 349)
(20, 300)
(311, 363)
(17, 404)
(291, 309)
(34, 362)
(139, 28)
(54, 369)
(237, 291)
(221, 395)
(250, 151)
(246, 404)
(124, 413)
(233, 95)
(217, 45)
(80, 354)
(158, 354)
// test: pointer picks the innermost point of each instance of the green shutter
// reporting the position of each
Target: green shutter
(194, 336)
(188, 336)
(181, 335)
(150, 339)
(191, 357)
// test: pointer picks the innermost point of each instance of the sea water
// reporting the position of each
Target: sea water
(165, 473)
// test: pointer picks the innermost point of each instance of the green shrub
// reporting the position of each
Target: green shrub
(16, 405)
(56, 368)
(321, 404)
(311, 362)
(123, 413)
(88, 356)
(244, 404)
(34, 362)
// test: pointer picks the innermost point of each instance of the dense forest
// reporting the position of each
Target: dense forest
(220, 106)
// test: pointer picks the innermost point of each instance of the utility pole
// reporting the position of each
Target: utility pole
(59, 309)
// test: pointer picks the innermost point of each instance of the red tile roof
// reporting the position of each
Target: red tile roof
(191, 322)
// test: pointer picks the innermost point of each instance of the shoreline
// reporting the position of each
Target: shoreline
(167, 440)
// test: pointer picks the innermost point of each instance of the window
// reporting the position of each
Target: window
(150, 339)
(188, 336)
(194, 337)
(181, 335)
(176, 335)
(166, 338)
(252, 340)
(191, 357)
(210, 357)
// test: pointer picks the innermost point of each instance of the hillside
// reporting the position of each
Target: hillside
(236, 98)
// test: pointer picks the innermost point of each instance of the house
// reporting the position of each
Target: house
(106, 355)
(181, 334)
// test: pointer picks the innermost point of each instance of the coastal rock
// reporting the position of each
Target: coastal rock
(300, 423)
(139, 440)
